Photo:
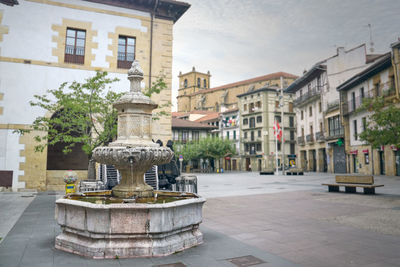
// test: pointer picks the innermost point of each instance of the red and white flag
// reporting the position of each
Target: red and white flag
(277, 131)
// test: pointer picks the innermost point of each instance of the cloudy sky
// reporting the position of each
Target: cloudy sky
(241, 39)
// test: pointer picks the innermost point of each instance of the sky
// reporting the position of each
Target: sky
(241, 39)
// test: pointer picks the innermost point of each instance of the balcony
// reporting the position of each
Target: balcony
(335, 134)
(310, 138)
(332, 105)
(300, 140)
(308, 97)
(319, 136)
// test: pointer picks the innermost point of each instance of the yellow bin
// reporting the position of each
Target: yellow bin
(70, 188)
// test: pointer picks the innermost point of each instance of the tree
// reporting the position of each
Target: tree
(383, 124)
(206, 148)
(84, 114)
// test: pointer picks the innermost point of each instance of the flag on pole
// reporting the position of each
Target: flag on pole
(277, 131)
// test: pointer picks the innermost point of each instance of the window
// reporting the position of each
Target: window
(335, 126)
(292, 135)
(245, 135)
(185, 83)
(302, 115)
(366, 157)
(259, 133)
(185, 136)
(198, 82)
(258, 147)
(355, 129)
(310, 109)
(75, 46)
(302, 132)
(246, 147)
(320, 127)
(205, 83)
(376, 88)
(227, 135)
(353, 100)
(259, 118)
(291, 121)
(292, 149)
(258, 104)
(195, 135)
(252, 122)
(279, 146)
(251, 107)
(320, 107)
(362, 93)
(252, 136)
(234, 135)
(277, 104)
(364, 123)
(290, 107)
(245, 107)
(126, 51)
(245, 121)
(278, 119)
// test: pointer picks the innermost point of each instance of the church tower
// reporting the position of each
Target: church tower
(190, 83)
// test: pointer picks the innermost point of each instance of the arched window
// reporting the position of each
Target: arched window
(185, 83)
(57, 160)
(198, 82)
(205, 83)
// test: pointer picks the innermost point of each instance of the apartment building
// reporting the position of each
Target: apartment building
(259, 109)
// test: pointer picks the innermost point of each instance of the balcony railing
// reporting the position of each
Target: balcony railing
(310, 138)
(384, 89)
(319, 136)
(300, 140)
(332, 105)
(308, 96)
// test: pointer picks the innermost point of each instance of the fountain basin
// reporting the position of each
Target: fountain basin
(127, 230)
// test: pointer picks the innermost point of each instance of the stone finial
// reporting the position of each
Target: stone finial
(135, 76)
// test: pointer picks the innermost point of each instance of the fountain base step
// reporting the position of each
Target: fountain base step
(110, 248)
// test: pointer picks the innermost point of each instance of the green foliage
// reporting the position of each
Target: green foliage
(383, 125)
(156, 88)
(83, 114)
(206, 148)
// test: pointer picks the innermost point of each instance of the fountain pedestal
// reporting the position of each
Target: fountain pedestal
(130, 229)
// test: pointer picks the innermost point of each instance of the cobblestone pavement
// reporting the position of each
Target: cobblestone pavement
(281, 220)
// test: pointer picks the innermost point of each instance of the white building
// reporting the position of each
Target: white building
(319, 127)
(46, 43)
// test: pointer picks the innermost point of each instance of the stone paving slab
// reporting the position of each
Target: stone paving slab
(313, 229)
(11, 208)
(31, 243)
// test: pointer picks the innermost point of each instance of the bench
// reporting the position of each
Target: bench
(294, 171)
(351, 182)
(267, 172)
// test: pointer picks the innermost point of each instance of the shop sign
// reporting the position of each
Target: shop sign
(354, 152)
(365, 151)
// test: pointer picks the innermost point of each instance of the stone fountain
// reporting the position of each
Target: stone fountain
(134, 223)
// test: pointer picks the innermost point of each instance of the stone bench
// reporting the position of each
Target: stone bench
(351, 182)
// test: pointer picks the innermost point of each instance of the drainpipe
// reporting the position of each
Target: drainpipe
(282, 129)
(151, 40)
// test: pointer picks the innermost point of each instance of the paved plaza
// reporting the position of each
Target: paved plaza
(274, 220)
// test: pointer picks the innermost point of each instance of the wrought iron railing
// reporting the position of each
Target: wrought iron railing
(302, 98)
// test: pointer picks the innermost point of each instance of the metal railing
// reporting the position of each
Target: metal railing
(319, 136)
(310, 138)
(300, 140)
(309, 94)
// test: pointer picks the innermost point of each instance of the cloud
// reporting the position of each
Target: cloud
(237, 39)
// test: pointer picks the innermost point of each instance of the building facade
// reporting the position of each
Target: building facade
(259, 109)
(70, 43)
(320, 131)
(196, 96)
(230, 129)
(377, 80)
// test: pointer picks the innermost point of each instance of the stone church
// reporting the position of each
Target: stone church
(195, 92)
